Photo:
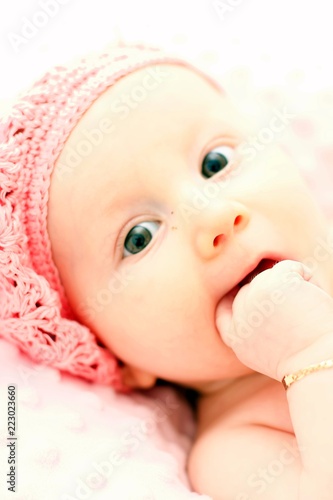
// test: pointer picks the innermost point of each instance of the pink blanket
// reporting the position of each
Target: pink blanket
(81, 441)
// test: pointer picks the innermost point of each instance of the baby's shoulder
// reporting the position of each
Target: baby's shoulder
(240, 430)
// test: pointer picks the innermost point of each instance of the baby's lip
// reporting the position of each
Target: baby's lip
(256, 267)
(263, 265)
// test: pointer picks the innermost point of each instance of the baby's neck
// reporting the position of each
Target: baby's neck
(208, 389)
(226, 394)
(211, 388)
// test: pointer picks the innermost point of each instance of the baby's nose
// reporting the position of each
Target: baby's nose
(216, 224)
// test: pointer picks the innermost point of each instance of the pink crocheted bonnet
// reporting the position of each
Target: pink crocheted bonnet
(34, 311)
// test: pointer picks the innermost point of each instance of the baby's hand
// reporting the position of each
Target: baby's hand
(275, 317)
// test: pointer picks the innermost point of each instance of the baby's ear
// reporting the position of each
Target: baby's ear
(136, 378)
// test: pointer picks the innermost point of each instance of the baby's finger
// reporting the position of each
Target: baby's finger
(292, 269)
(283, 277)
(283, 272)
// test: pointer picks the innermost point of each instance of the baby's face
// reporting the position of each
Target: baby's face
(162, 215)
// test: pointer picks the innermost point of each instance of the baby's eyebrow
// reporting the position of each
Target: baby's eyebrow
(109, 209)
(113, 199)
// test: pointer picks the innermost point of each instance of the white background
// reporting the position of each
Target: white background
(279, 42)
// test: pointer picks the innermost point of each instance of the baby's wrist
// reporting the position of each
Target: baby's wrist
(317, 352)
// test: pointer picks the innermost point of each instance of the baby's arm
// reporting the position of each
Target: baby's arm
(311, 409)
(246, 462)
(299, 333)
(237, 460)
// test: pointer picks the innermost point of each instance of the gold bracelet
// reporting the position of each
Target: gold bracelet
(288, 380)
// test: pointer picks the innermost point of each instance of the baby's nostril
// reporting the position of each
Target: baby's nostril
(218, 239)
(238, 220)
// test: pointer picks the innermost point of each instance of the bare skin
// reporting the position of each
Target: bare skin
(295, 439)
(157, 306)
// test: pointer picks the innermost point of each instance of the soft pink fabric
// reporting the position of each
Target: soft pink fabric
(77, 440)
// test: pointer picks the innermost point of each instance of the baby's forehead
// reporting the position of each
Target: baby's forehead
(167, 95)
(150, 88)
(163, 108)
(148, 81)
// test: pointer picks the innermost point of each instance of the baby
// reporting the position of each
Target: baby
(155, 233)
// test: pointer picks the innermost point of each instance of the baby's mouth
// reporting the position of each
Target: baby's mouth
(263, 265)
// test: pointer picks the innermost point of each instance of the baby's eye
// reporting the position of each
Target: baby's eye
(139, 237)
(217, 159)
